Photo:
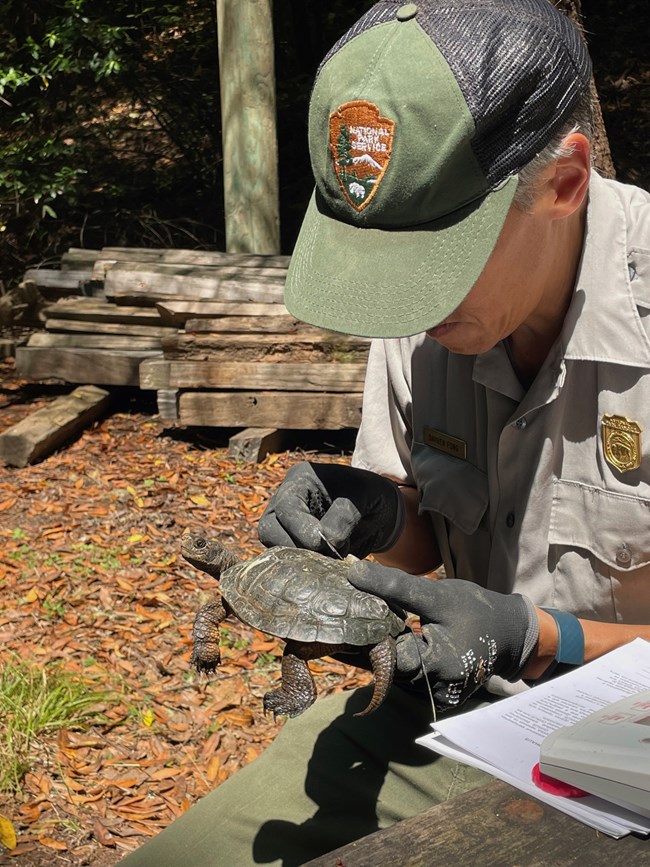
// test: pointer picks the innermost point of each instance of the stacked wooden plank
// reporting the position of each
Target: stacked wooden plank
(249, 364)
(207, 331)
(104, 322)
(91, 341)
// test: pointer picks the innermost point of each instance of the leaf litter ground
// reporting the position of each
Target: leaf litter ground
(92, 579)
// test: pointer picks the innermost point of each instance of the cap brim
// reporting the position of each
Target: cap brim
(390, 282)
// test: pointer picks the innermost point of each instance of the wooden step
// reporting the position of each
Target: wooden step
(136, 279)
(96, 366)
(284, 410)
(94, 341)
(68, 325)
(95, 310)
(281, 376)
(193, 257)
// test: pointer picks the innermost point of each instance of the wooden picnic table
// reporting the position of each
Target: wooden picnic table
(495, 824)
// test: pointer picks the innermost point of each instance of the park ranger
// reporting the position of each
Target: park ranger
(506, 416)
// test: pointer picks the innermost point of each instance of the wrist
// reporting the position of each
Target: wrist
(546, 648)
(561, 643)
(397, 529)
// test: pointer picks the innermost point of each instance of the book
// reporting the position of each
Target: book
(504, 738)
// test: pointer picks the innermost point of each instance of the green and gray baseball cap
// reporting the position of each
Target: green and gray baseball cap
(420, 118)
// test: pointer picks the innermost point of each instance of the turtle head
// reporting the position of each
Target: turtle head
(208, 555)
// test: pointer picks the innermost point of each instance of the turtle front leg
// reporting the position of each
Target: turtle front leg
(382, 658)
(205, 635)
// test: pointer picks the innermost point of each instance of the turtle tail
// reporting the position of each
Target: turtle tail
(382, 657)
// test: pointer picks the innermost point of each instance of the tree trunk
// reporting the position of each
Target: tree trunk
(250, 153)
(602, 157)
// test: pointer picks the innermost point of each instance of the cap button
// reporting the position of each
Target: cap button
(406, 12)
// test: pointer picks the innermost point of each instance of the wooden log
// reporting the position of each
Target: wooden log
(286, 410)
(94, 341)
(193, 257)
(180, 342)
(78, 258)
(96, 310)
(167, 400)
(495, 824)
(198, 284)
(233, 271)
(178, 312)
(255, 443)
(154, 374)
(7, 347)
(48, 278)
(43, 431)
(280, 376)
(249, 324)
(250, 156)
(97, 366)
(152, 299)
(108, 328)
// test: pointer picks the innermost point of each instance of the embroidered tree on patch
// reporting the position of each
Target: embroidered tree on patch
(343, 147)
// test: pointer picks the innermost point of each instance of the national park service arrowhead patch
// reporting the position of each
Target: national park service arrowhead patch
(361, 141)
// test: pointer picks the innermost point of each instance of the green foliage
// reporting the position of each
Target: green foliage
(110, 125)
(35, 700)
(110, 131)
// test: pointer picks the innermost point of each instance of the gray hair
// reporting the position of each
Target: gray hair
(581, 120)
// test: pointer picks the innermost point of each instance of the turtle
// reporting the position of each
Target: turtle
(302, 597)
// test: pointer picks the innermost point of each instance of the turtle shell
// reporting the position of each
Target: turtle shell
(305, 596)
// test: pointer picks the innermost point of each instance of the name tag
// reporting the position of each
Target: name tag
(444, 442)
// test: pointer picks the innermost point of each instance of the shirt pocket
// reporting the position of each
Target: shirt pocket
(451, 487)
(602, 552)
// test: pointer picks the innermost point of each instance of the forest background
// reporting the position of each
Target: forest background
(110, 127)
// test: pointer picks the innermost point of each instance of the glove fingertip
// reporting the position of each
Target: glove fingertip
(360, 574)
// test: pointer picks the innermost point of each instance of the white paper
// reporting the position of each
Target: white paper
(504, 739)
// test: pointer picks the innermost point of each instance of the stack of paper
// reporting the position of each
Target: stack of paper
(504, 739)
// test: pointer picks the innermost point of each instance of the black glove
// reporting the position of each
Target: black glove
(468, 633)
(357, 512)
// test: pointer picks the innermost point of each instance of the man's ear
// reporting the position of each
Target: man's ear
(567, 179)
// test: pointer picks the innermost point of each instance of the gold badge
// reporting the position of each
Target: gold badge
(361, 141)
(443, 442)
(621, 442)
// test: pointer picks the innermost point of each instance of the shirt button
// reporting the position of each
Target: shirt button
(510, 520)
(623, 556)
(521, 423)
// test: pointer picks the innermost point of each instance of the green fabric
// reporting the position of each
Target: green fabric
(432, 169)
(402, 261)
(327, 779)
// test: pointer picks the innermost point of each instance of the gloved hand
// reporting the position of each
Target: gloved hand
(357, 512)
(468, 633)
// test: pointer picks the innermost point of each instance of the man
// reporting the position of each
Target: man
(503, 435)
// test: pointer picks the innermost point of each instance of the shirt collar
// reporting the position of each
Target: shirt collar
(603, 323)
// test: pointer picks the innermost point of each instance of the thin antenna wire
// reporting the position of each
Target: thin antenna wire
(424, 672)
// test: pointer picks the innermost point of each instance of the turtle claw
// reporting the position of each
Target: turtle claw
(280, 702)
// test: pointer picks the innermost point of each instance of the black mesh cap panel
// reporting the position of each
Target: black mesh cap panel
(521, 65)
(522, 68)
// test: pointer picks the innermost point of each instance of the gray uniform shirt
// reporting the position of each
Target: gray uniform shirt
(530, 491)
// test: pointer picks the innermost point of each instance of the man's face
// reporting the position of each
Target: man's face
(507, 294)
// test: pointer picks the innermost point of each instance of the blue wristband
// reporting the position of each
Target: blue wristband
(570, 638)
